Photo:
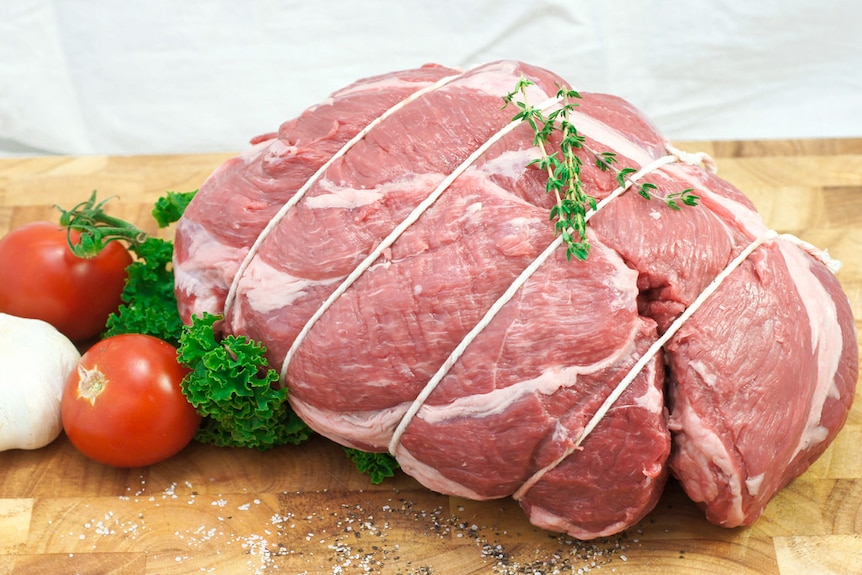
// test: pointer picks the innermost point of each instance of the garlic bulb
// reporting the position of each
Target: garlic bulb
(35, 360)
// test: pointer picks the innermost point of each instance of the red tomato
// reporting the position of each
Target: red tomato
(123, 406)
(42, 279)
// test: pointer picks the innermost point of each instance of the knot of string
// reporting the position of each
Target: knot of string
(701, 159)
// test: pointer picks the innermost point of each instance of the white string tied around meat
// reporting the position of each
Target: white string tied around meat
(673, 156)
(390, 239)
(642, 362)
(693, 158)
(300, 193)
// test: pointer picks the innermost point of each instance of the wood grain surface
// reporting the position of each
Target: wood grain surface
(305, 510)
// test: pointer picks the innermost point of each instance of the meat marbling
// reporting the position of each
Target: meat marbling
(742, 398)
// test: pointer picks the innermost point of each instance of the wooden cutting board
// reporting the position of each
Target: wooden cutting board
(306, 510)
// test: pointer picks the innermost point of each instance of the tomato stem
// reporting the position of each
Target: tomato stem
(91, 383)
(97, 228)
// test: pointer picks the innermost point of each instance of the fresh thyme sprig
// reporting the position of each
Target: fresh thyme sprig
(687, 196)
(564, 173)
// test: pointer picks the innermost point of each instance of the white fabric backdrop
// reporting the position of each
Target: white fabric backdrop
(161, 76)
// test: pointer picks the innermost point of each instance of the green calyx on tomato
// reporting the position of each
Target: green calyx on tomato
(43, 279)
(96, 228)
(228, 379)
(149, 305)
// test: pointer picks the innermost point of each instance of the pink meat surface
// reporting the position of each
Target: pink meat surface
(742, 398)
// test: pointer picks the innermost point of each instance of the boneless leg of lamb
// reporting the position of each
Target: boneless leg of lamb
(391, 247)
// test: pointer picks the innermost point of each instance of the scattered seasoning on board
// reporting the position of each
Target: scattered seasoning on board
(359, 536)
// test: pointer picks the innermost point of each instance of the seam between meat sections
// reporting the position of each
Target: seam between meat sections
(295, 199)
(416, 405)
(648, 356)
(674, 155)
(768, 236)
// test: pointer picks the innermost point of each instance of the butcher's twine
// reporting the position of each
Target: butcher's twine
(673, 155)
(647, 357)
(513, 288)
(300, 193)
(700, 159)
(387, 242)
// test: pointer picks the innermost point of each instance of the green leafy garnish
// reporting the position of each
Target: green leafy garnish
(564, 174)
(148, 302)
(623, 174)
(378, 466)
(605, 160)
(170, 207)
(230, 382)
(687, 197)
(231, 385)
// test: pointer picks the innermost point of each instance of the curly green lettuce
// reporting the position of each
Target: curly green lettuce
(231, 386)
(377, 466)
(149, 305)
(230, 383)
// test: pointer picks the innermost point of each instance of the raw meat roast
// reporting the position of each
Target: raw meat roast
(372, 244)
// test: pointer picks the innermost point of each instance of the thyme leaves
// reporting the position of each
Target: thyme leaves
(569, 213)
(563, 167)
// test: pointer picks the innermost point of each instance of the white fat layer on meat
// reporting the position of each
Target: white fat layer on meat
(473, 209)
(520, 222)
(205, 299)
(327, 102)
(826, 338)
(544, 519)
(252, 153)
(749, 219)
(703, 449)
(381, 83)
(500, 78)
(652, 399)
(705, 374)
(209, 268)
(609, 137)
(274, 149)
(511, 164)
(267, 289)
(498, 401)
(352, 429)
(752, 484)
(431, 478)
(623, 283)
(341, 196)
